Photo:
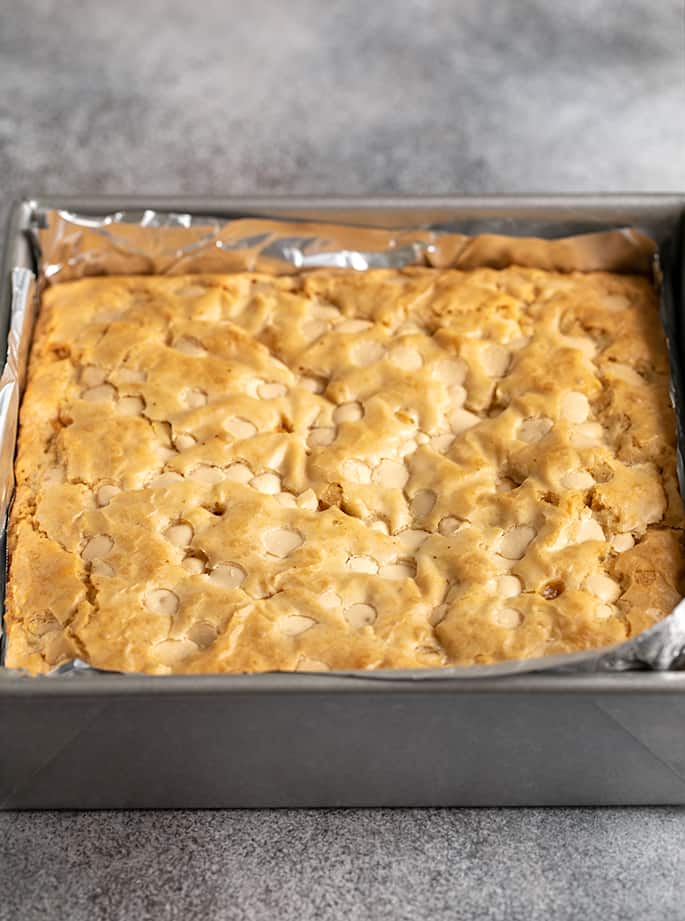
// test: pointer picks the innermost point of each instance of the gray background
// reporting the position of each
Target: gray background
(354, 97)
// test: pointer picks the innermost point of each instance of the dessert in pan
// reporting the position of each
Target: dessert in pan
(406, 468)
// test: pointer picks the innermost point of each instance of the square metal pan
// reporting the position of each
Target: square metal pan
(108, 741)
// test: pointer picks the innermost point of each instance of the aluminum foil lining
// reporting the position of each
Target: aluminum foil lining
(70, 246)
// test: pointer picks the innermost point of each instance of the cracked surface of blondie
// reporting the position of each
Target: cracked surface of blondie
(340, 470)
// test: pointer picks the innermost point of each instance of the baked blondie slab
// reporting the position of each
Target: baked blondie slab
(342, 470)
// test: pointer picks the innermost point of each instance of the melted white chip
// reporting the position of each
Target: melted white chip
(360, 615)
(508, 586)
(106, 493)
(180, 535)
(391, 474)
(575, 407)
(352, 326)
(196, 398)
(367, 352)
(604, 611)
(92, 376)
(173, 652)
(184, 442)
(605, 588)
(271, 390)
(514, 543)
(131, 376)
(495, 360)
(412, 538)
(161, 601)
(461, 420)
(205, 473)
(238, 473)
(577, 479)
(329, 599)
(282, 541)
(286, 499)
(623, 372)
(622, 542)
(587, 435)
(202, 634)
(457, 396)
(442, 443)
(267, 483)
(313, 329)
(534, 429)
(380, 526)
(190, 346)
(406, 357)
(294, 624)
(422, 503)
(356, 471)
(401, 570)
(451, 370)
(308, 500)
(240, 428)
(100, 568)
(313, 384)
(348, 412)
(509, 618)
(166, 479)
(362, 564)
(131, 406)
(97, 547)
(105, 393)
(321, 437)
(586, 530)
(193, 565)
(449, 525)
(227, 575)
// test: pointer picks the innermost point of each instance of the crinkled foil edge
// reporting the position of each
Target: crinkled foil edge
(149, 242)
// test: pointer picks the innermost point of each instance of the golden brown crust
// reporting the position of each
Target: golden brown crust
(340, 470)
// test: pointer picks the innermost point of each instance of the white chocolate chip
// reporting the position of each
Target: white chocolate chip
(305, 664)
(202, 634)
(422, 503)
(286, 499)
(100, 568)
(367, 352)
(508, 618)
(362, 564)
(356, 471)
(240, 428)
(190, 346)
(205, 473)
(442, 443)
(514, 543)
(294, 624)
(348, 412)
(313, 329)
(400, 570)
(104, 393)
(313, 384)
(96, 548)
(391, 474)
(451, 371)
(180, 535)
(131, 406)
(131, 376)
(406, 357)
(308, 500)
(173, 652)
(575, 407)
(577, 479)
(587, 435)
(92, 376)
(227, 575)
(360, 615)
(461, 420)
(604, 611)
(449, 525)
(193, 565)
(166, 479)
(623, 372)
(238, 473)
(267, 483)
(161, 601)
(106, 493)
(457, 396)
(380, 526)
(321, 437)
(184, 442)
(508, 586)
(271, 390)
(412, 538)
(534, 429)
(329, 599)
(495, 360)
(195, 398)
(352, 326)
(622, 542)
(603, 587)
(282, 541)
(407, 448)
(586, 530)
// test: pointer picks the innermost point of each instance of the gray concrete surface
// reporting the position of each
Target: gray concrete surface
(349, 97)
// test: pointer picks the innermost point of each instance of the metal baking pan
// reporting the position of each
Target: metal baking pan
(108, 741)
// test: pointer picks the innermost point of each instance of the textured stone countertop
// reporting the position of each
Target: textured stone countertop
(347, 97)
